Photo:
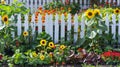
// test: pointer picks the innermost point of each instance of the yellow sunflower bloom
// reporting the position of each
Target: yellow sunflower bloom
(25, 33)
(34, 54)
(3, 2)
(97, 11)
(42, 57)
(43, 42)
(116, 11)
(5, 19)
(51, 45)
(90, 14)
(62, 47)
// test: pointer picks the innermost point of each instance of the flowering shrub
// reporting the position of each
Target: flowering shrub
(7, 11)
(110, 56)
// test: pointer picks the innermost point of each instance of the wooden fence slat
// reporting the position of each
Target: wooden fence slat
(119, 29)
(50, 25)
(19, 25)
(31, 5)
(82, 33)
(62, 27)
(114, 25)
(26, 23)
(76, 27)
(107, 24)
(39, 24)
(12, 32)
(56, 37)
(47, 24)
(69, 24)
(33, 24)
(118, 2)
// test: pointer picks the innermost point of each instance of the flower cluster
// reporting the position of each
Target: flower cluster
(112, 54)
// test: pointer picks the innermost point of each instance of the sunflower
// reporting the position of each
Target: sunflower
(62, 47)
(25, 33)
(42, 57)
(5, 19)
(43, 42)
(90, 14)
(34, 54)
(51, 45)
(116, 11)
(97, 11)
(3, 2)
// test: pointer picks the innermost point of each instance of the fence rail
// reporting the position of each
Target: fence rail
(34, 4)
(58, 30)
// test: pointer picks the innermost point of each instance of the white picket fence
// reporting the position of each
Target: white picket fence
(34, 4)
(54, 28)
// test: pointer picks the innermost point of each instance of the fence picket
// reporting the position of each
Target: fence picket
(119, 29)
(26, 23)
(31, 5)
(76, 28)
(39, 24)
(62, 27)
(82, 33)
(32, 24)
(56, 37)
(107, 24)
(12, 32)
(114, 25)
(50, 25)
(19, 25)
(69, 24)
(47, 24)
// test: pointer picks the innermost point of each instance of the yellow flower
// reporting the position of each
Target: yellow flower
(51, 54)
(90, 14)
(62, 47)
(97, 11)
(25, 33)
(116, 11)
(43, 42)
(3, 2)
(34, 54)
(5, 19)
(42, 57)
(51, 45)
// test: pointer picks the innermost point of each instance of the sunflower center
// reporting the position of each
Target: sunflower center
(43, 42)
(50, 44)
(117, 11)
(5, 19)
(90, 13)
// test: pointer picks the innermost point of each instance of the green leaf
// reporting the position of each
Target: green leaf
(92, 35)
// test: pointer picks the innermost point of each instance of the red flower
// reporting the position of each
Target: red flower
(107, 54)
(1, 57)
